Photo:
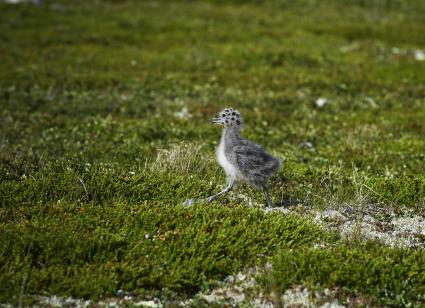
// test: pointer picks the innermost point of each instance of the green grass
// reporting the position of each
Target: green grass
(393, 277)
(93, 157)
(94, 250)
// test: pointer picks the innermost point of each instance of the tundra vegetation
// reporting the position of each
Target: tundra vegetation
(104, 131)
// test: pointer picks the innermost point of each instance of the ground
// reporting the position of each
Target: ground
(105, 132)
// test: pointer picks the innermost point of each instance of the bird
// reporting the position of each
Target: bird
(242, 160)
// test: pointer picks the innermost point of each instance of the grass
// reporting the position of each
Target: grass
(392, 277)
(95, 250)
(93, 157)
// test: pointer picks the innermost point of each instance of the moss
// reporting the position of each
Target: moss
(388, 276)
(88, 97)
(93, 250)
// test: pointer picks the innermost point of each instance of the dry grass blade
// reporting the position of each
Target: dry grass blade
(181, 158)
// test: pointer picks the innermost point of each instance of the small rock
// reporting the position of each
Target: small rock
(306, 145)
(419, 55)
(183, 113)
(371, 101)
(321, 102)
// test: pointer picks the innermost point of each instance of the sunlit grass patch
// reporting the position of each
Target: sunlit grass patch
(92, 251)
(388, 276)
(182, 159)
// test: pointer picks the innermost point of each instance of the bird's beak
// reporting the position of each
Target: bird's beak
(215, 120)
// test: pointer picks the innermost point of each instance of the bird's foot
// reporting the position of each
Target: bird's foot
(189, 202)
(211, 199)
(193, 201)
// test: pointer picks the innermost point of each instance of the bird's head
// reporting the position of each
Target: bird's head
(229, 117)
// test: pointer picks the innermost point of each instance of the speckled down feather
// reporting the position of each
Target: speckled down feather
(255, 163)
(241, 159)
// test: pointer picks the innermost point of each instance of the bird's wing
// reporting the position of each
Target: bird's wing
(255, 162)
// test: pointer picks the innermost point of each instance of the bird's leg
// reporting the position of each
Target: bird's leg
(229, 187)
(266, 195)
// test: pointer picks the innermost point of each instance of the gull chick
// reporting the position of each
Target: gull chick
(241, 159)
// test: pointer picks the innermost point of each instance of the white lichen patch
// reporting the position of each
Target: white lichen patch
(416, 54)
(183, 113)
(302, 297)
(389, 224)
(396, 231)
(405, 230)
(120, 301)
(419, 55)
(243, 290)
(321, 102)
(235, 291)
(232, 290)
(57, 301)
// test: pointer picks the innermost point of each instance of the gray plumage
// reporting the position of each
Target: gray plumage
(241, 159)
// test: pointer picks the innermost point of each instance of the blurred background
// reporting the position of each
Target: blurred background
(328, 86)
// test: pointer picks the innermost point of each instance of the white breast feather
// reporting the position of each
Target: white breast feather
(229, 169)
